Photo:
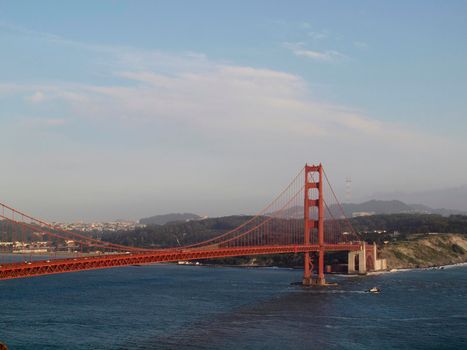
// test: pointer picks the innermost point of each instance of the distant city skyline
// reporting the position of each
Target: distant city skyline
(130, 109)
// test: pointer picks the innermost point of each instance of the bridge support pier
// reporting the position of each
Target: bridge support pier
(308, 278)
(364, 260)
(360, 256)
(313, 282)
(321, 281)
(307, 270)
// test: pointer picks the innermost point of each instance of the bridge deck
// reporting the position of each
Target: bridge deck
(38, 268)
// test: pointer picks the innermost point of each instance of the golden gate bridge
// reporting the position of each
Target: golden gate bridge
(301, 219)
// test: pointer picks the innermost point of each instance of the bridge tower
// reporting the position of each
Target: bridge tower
(313, 187)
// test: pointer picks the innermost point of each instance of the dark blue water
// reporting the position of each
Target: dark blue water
(183, 307)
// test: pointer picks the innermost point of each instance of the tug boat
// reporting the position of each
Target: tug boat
(374, 290)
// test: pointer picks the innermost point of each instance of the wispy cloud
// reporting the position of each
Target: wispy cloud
(205, 94)
(360, 44)
(299, 49)
(36, 97)
(320, 55)
(13, 28)
(224, 100)
(318, 35)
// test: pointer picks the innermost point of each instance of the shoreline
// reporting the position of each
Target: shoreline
(436, 267)
(371, 273)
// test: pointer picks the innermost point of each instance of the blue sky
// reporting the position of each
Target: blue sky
(131, 108)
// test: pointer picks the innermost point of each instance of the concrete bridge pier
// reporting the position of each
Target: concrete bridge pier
(357, 262)
(365, 259)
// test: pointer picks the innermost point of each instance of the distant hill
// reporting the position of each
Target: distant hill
(166, 218)
(372, 207)
(452, 198)
(377, 207)
(174, 234)
(423, 209)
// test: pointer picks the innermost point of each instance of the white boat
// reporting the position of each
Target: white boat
(374, 290)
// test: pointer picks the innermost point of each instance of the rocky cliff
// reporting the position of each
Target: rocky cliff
(426, 251)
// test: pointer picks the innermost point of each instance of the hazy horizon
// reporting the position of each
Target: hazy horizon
(142, 108)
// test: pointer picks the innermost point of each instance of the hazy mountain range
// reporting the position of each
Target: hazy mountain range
(166, 218)
(391, 207)
(452, 197)
(371, 207)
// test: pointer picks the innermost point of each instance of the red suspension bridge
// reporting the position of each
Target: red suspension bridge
(305, 217)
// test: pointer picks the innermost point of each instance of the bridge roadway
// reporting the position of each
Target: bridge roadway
(55, 266)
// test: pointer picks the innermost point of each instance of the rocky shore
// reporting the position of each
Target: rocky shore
(426, 251)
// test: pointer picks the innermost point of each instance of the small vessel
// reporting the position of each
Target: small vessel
(374, 290)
